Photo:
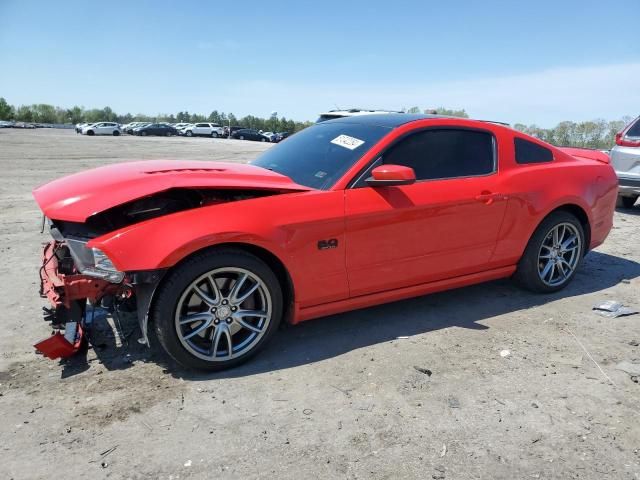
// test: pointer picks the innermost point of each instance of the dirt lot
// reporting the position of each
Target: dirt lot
(414, 389)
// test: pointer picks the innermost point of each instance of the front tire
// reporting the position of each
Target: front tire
(214, 134)
(189, 133)
(90, 133)
(116, 133)
(553, 254)
(217, 309)
(626, 202)
(241, 137)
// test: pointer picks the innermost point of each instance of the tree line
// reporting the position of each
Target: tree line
(590, 134)
(44, 113)
(598, 134)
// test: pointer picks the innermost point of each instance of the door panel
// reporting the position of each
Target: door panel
(431, 230)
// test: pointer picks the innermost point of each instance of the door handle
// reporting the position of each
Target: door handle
(488, 197)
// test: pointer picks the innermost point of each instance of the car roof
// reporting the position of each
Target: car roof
(393, 120)
(389, 120)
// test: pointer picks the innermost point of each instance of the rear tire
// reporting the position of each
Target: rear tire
(214, 134)
(241, 137)
(626, 202)
(116, 133)
(189, 133)
(542, 268)
(168, 134)
(90, 132)
(188, 291)
(144, 134)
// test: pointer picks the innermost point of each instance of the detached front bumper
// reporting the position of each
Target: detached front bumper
(61, 289)
(68, 291)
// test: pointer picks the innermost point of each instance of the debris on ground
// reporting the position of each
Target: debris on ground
(443, 452)
(426, 371)
(613, 309)
(108, 451)
(505, 353)
(439, 475)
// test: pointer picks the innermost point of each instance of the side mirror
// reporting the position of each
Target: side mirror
(391, 175)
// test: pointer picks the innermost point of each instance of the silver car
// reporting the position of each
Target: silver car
(625, 159)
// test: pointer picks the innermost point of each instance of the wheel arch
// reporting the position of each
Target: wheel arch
(578, 212)
(273, 262)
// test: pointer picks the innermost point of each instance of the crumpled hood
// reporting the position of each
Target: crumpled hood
(76, 197)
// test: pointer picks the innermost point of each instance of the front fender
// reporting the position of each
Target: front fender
(162, 242)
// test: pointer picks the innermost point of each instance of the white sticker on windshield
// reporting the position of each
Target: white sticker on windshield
(347, 142)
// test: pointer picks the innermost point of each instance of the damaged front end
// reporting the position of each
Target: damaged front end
(70, 276)
(74, 274)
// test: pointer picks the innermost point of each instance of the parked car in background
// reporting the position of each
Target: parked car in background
(80, 126)
(345, 214)
(24, 125)
(281, 136)
(625, 159)
(161, 129)
(102, 128)
(135, 125)
(270, 135)
(204, 130)
(234, 128)
(129, 126)
(180, 126)
(184, 128)
(6, 124)
(249, 134)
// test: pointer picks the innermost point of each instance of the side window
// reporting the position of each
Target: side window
(634, 131)
(200, 125)
(444, 153)
(529, 152)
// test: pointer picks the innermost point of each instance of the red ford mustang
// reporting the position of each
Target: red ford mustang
(345, 214)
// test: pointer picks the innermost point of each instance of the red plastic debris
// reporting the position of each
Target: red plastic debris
(56, 346)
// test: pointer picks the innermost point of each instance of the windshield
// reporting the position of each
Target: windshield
(319, 155)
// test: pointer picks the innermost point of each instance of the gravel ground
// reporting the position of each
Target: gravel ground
(413, 389)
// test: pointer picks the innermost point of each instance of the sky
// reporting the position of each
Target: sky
(536, 63)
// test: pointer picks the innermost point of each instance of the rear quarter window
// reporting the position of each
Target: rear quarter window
(528, 152)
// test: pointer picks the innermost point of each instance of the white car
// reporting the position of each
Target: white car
(180, 126)
(353, 112)
(625, 159)
(102, 128)
(204, 130)
(270, 135)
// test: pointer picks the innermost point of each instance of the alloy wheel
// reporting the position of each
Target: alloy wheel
(559, 254)
(223, 314)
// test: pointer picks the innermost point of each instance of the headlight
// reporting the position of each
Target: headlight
(103, 268)
(92, 261)
(101, 261)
